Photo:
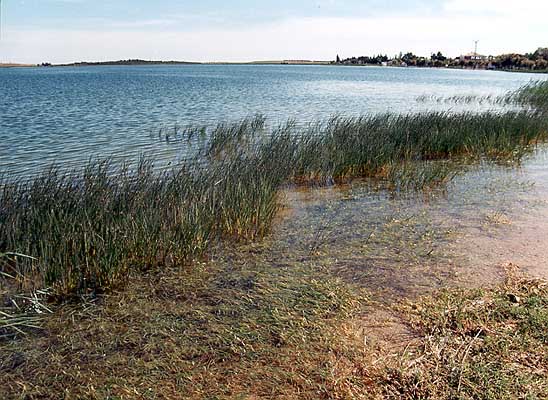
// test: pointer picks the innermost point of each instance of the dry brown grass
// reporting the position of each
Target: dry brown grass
(235, 329)
(475, 344)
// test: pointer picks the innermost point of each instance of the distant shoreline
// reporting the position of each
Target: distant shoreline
(152, 62)
(267, 62)
(156, 62)
(15, 65)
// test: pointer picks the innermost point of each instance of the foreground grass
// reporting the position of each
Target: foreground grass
(242, 329)
(246, 331)
(481, 344)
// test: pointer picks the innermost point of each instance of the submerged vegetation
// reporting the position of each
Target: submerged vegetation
(82, 232)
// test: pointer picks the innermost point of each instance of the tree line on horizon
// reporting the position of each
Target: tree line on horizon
(536, 61)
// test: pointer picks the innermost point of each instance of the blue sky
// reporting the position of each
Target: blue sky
(74, 13)
(242, 30)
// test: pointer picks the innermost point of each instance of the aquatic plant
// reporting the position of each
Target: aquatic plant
(534, 94)
(86, 230)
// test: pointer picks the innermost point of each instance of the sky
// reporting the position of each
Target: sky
(59, 31)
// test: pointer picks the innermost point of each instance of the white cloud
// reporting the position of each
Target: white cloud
(299, 38)
(509, 8)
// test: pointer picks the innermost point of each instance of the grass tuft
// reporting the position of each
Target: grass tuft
(534, 94)
(476, 344)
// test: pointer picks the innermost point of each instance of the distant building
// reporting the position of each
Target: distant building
(473, 57)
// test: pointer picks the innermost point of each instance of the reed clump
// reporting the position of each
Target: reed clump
(88, 230)
(84, 231)
(534, 94)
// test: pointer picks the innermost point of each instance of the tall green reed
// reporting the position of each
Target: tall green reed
(84, 231)
(533, 94)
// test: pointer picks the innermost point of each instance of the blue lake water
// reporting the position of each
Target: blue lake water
(67, 115)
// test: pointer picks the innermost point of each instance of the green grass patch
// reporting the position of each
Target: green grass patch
(481, 344)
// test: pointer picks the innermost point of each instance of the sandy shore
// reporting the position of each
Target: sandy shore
(10, 65)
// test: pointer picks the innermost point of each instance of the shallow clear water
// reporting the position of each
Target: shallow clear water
(406, 244)
(67, 115)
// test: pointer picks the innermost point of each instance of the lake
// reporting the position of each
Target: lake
(68, 115)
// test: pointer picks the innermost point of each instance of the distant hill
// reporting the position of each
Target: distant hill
(156, 62)
(146, 62)
(124, 62)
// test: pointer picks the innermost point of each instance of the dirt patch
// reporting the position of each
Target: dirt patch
(383, 330)
(521, 240)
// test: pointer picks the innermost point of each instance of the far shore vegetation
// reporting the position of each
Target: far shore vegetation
(536, 62)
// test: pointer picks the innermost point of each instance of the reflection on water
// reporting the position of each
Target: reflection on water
(67, 115)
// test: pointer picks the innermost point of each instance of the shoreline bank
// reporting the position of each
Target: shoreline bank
(258, 63)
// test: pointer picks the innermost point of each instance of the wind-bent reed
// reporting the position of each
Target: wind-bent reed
(84, 231)
(534, 94)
